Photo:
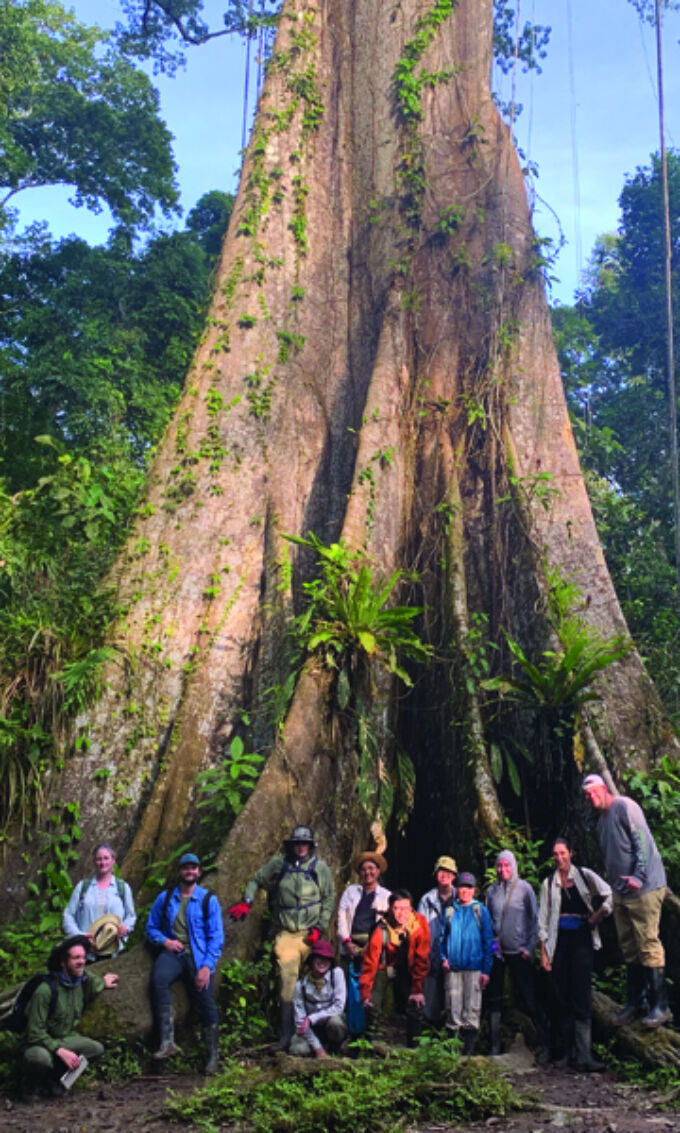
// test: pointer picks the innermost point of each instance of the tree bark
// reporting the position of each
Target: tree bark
(377, 367)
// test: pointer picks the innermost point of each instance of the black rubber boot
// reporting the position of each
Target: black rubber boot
(211, 1037)
(584, 1060)
(635, 996)
(495, 1029)
(468, 1035)
(287, 1026)
(414, 1024)
(166, 1032)
(657, 994)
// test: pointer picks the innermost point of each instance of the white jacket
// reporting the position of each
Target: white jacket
(347, 908)
(588, 885)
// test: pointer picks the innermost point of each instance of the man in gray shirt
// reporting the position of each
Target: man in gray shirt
(634, 870)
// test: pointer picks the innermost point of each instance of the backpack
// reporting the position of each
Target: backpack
(476, 909)
(310, 871)
(88, 881)
(204, 906)
(14, 1018)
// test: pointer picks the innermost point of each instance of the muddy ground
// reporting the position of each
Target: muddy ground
(593, 1103)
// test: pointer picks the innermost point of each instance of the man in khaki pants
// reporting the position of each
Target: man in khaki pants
(634, 869)
(300, 894)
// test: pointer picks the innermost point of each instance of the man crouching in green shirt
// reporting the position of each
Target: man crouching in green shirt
(52, 1043)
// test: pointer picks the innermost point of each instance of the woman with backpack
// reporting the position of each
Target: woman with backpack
(101, 907)
(573, 902)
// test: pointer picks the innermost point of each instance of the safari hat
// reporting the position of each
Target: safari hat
(369, 856)
(104, 934)
(445, 862)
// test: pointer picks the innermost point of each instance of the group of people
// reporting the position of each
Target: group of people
(185, 931)
(440, 959)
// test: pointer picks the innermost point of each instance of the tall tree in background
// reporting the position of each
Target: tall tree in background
(377, 370)
(613, 353)
(75, 113)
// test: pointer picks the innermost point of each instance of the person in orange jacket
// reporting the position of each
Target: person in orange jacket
(398, 951)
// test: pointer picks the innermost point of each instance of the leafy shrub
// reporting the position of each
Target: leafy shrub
(410, 1086)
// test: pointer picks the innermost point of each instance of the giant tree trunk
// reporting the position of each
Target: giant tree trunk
(378, 367)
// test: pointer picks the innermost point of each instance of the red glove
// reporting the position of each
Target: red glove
(313, 935)
(239, 911)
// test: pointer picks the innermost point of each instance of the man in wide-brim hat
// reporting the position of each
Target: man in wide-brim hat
(361, 905)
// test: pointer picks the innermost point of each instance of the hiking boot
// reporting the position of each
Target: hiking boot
(657, 993)
(468, 1035)
(211, 1036)
(166, 1031)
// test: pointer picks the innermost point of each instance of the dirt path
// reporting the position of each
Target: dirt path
(580, 1102)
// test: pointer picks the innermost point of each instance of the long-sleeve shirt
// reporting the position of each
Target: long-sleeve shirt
(318, 1002)
(49, 1029)
(86, 907)
(206, 933)
(628, 847)
(301, 893)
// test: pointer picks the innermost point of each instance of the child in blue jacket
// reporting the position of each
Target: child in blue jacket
(467, 955)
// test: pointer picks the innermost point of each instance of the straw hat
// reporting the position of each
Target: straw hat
(104, 933)
(369, 856)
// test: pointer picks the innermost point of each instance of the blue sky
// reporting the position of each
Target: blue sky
(587, 120)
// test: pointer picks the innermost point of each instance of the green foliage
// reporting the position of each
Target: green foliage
(658, 793)
(562, 679)
(76, 112)
(94, 343)
(410, 1087)
(162, 32)
(224, 789)
(348, 617)
(26, 942)
(247, 995)
(531, 45)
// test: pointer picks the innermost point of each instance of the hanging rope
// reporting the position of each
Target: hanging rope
(670, 350)
(246, 82)
(576, 181)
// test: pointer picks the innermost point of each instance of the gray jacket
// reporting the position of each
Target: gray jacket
(628, 848)
(513, 910)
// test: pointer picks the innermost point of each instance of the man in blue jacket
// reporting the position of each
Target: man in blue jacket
(467, 952)
(185, 925)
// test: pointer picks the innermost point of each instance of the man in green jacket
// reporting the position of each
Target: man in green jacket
(300, 894)
(52, 1044)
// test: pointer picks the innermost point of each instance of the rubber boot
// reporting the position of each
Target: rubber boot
(584, 1060)
(414, 1025)
(211, 1037)
(565, 1032)
(166, 1031)
(657, 994)
(635, 996)
(287, 1026)
(468, 1035)
(495, 1028)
